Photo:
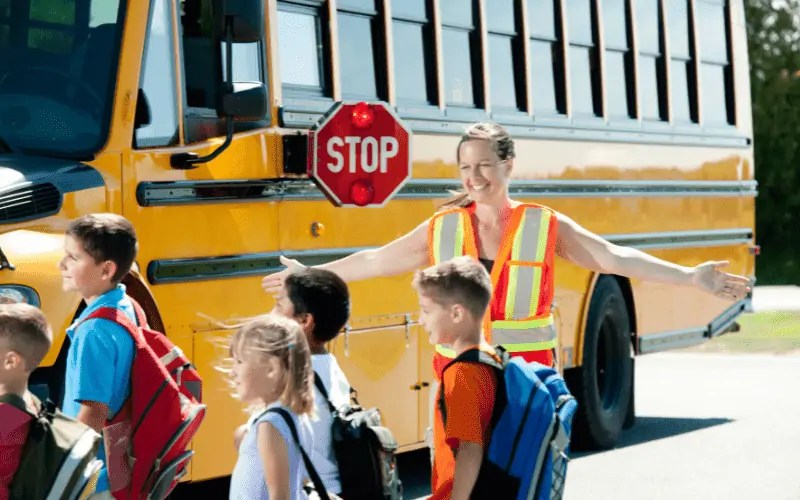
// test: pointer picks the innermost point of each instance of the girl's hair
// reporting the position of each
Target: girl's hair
(273, 335)
(499, 139)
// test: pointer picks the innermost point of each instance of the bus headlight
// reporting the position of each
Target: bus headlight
(12, 294)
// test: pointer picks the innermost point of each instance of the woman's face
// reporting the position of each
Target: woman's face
(483, 175)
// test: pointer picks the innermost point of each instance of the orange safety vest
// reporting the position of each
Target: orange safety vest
(520, 315)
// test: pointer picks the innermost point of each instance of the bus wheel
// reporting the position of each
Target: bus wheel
(604, 383)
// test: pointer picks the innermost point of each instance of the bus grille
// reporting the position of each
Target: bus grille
(29, 202)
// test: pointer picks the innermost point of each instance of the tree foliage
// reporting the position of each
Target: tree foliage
(773, 32)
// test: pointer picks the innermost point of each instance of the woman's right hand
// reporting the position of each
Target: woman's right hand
(272, 283)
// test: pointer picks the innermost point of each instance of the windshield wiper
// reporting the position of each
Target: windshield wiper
(4, 263)
(5, 147)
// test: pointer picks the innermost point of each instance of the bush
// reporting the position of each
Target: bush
(773, 33)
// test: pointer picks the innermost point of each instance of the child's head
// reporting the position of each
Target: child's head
(99, 250)
(25, 338)
(318, 300)
(271, 362)
(453, 297)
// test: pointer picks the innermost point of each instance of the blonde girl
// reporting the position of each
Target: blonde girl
(271, 369)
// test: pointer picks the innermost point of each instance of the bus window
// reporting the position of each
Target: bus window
(361, 50)
(683, 89)
(58, 59)
(618, 74)
(302, 48)
(651, 70)
(158, 81)
(583, 59)
(506, 63)
(715, 71)
(203, 60)
(463, 84)
(414, 53)
(547, 57)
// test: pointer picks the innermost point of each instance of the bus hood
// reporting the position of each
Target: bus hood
(33, 187)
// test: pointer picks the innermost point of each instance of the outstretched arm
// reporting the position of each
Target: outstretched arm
(407, 253)
(586, 249)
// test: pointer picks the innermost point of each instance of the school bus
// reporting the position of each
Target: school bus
(190, 118)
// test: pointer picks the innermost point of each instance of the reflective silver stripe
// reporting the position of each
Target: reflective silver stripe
(558, 457)
(71, 463)
(447, 236)
(527, 253)
(542, 451)
(508, 336)
(88, 481)
(171, 356)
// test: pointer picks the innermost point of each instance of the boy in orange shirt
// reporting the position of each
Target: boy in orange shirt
(453, 297)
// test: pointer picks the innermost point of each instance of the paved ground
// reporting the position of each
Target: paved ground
(776, 298)
(709, 426)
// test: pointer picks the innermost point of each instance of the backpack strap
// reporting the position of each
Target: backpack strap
(312, 472)
(321, 388)
(16, 401)
(476, 355)
(141, 317)
(118, 316)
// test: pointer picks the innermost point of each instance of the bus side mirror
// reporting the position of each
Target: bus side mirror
(246, 18)
(240, 21)
(246, 101)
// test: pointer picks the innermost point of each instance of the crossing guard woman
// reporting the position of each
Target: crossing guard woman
(517, 242)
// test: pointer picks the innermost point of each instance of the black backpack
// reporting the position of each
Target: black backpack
(59, 458)
(365, 451)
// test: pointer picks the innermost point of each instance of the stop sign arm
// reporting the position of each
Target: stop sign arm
(404, 254)
(360, 154)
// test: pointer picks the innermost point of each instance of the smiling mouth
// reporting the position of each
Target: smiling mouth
(479, 188)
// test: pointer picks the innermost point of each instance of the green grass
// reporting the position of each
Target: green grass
(764, 332)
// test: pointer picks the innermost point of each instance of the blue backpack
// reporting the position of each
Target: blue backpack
(530, 429)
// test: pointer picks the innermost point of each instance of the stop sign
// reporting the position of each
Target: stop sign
(359, 154)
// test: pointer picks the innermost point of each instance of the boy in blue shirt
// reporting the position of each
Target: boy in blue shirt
(99, 250)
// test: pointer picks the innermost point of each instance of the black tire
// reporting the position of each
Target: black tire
(603, 384)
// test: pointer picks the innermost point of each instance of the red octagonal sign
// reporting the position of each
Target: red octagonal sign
(359, 154)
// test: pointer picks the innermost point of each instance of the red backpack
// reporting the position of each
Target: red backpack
(146, 441)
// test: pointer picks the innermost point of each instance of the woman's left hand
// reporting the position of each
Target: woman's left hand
(708, 276)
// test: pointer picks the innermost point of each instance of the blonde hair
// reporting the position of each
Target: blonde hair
(501, 143)
(283, 338)
(24, 330)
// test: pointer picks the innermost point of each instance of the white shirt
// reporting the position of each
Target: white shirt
(338, 388)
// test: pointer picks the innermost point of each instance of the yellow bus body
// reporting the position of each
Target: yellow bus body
(686, 203)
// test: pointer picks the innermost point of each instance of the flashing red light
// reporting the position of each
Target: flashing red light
(362, 192)
(363, 116)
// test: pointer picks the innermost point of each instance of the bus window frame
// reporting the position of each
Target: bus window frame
(450, 119)
(476, 111)
(107, 121)
(209, 115)
(690, 61)
(407, 108)
(557, 42)
(376, 19)
(628, 53)
(597, 116)
(176, 75)
(301, 107)
(519, 75)
(728, 68)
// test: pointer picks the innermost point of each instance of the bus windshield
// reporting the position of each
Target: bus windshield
(58, 61)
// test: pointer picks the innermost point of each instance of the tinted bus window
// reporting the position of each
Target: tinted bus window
(414, 52)
(547, 57)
